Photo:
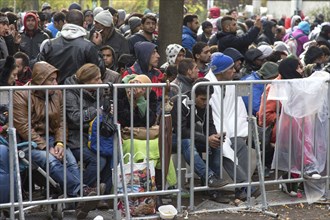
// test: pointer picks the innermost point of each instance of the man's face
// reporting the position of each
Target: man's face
(279, 35)
(98, 27)
(4, 28)
(229, 74)
(13, 77)
(237, 65)
(30, 23)
(149, 26)
(233, 26)
(201, 101)
(234, 14)
(154, 59)
(180, 57)
(208, 30)
(89, 19)
(51, 81)
(20, 67)
(58, 25)
(193, 73)
(107, 57)
(205, 55)
(194, 25)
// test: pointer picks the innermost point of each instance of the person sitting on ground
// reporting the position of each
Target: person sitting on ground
(201, 140)
(140, 114)
(87, 74)
(44, 74)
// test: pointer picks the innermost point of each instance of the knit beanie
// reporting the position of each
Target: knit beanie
(97, 10)
(134, 22)
(220, 63)
(234, 54)
(312, 54)
(266, 51)
(288, 68)
(6, 69)
(269, 70)
(75, 5)
(252, 54)
(172, 52)
(304, 26)
(104, 18)
(87, 72)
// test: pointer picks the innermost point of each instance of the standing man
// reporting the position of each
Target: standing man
(202, 55)
(4, 27)
(189, 31)
(228, 37)
(71, 50)
(32, 37)
(149, 23)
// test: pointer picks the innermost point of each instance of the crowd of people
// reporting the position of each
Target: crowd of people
(76, 46)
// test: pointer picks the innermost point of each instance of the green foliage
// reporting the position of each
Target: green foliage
(325, 10)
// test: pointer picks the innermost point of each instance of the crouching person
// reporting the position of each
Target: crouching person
(45, 74)
(214, 139)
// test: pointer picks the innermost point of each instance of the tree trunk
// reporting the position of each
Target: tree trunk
(170, 25)
(104, 3)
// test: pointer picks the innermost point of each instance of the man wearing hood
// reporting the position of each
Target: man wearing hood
(228, 37)
(32, 37)
(71, 50)
(174, 54)
(189, 31)
(110, 62)
(268, 33)
(45, 74)
(146, 63)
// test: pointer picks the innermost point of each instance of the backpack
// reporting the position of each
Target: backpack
(293, 43)
(107, 130)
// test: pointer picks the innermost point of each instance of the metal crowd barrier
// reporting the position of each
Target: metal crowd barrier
(241, 88)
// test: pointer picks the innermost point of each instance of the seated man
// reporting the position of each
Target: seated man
(213, 139)
(46, 74)
(222, 69)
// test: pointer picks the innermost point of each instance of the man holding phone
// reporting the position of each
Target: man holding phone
(203, 125)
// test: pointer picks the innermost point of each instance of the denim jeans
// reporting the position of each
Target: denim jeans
(5, 175)
(56, 168)
(199, 164)
(90, 161)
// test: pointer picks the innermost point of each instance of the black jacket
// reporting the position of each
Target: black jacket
(31, 44)
(240, 43)
(200, 121)
(124, 107)
(73, 113)
(69, 54)
(137, 37)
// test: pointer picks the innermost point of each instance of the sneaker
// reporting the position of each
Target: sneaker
(215, 182)
(289, 188)
(241, 193)
(310, 172)
(312, 175)
(219, 198)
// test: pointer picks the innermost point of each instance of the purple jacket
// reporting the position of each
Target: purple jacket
(301, 40)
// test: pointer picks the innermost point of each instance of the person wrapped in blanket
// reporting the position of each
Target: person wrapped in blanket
(139, 107)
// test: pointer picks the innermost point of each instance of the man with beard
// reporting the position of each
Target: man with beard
(24, 71)
(189, 31)
(146, 33)
(104, 25)
(4, 27)
(228, 38)
(32, 37)
(202, 55)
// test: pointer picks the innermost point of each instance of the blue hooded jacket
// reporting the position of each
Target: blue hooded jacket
(188, 38)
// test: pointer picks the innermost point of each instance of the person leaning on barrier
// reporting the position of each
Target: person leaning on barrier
(201, 139)
(222, 69)
(44, 74)
(87, 74)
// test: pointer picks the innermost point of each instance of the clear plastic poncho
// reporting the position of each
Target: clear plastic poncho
(304, 118)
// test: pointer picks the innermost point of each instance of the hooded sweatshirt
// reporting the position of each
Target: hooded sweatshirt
(267, 34)
(143, 52)
(32, 39)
